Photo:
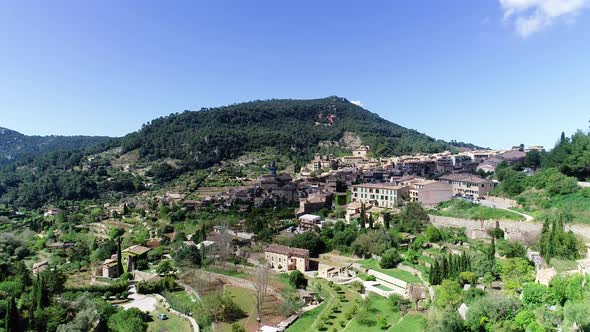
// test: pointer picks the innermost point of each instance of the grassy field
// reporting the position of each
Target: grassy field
(410, 322)
(303, 323)
(562, 265)
(172, 324)
(457, 208)
(245, 299)
(372, 310)
(180, 300)
(539, 204)
(225, 271)
(338, 301)
(396, 273)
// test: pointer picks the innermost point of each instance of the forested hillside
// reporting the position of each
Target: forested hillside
(170, 146)
(571, 155)
(15, 146)
(295, 127)
(553, 188)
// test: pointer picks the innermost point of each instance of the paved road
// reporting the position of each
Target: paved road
(140, 301)
(148, 303)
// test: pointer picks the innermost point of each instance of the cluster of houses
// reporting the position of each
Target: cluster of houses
(381, 183)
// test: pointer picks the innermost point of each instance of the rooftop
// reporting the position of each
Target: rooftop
(465, 178)
(136, 250)
(378, 186)
(284, 250)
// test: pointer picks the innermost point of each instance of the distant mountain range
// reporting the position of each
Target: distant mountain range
(15, 146)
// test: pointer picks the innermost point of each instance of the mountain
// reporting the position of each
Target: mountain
(15, 146)
(179, 143)
(296, 127)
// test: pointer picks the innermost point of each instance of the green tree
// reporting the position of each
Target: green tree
(128, 320)
(11, 319)
(390, 259)
(449, 294)
(297, 279)
(534, 295)
(117, 236)
(515, 272)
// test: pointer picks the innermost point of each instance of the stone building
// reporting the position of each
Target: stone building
(284, 259)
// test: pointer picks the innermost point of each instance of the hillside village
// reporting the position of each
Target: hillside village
(349, 243)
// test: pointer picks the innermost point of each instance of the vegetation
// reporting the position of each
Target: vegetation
(458, 208)
(553, 187)
(15, 146)
(170, 146)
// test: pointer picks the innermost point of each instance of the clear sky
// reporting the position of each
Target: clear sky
(491, 72)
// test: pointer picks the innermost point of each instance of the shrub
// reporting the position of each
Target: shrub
(390, 259)
(297, 279)
(151, 287)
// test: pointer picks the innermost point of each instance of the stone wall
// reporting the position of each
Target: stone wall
(507, 202)
(388, 279)
(523, 231)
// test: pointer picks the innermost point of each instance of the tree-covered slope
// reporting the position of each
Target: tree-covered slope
(170, 146)
(295, 127)
(15, 146)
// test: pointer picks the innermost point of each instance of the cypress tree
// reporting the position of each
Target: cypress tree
(492, 251)
(544, 241)
(120, 270)
(444, 269)
(370, 220)
(436, 273)
(203, 232)
(11, 318)
(553, 238)
(363, 216)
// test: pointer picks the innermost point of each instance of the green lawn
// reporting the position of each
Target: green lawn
(227, 272)
(343, 297)
(245, 299)
(410, 322)
(383, 288)
(303, 323)
(179, 300)
(371, 311)
(457, 208)
(172, 324)
(396, 273)
(562, 265)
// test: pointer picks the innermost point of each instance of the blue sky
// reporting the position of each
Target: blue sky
(492, 72)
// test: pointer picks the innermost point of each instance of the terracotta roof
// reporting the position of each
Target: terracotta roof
(284, 250)
(137, 250)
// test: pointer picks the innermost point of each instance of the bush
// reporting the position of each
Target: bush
(116, 287)
(235, 327)
(297, 279)
(390, 259)
(152, 287)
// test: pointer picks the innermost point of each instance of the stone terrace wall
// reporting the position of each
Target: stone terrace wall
(527, 232)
